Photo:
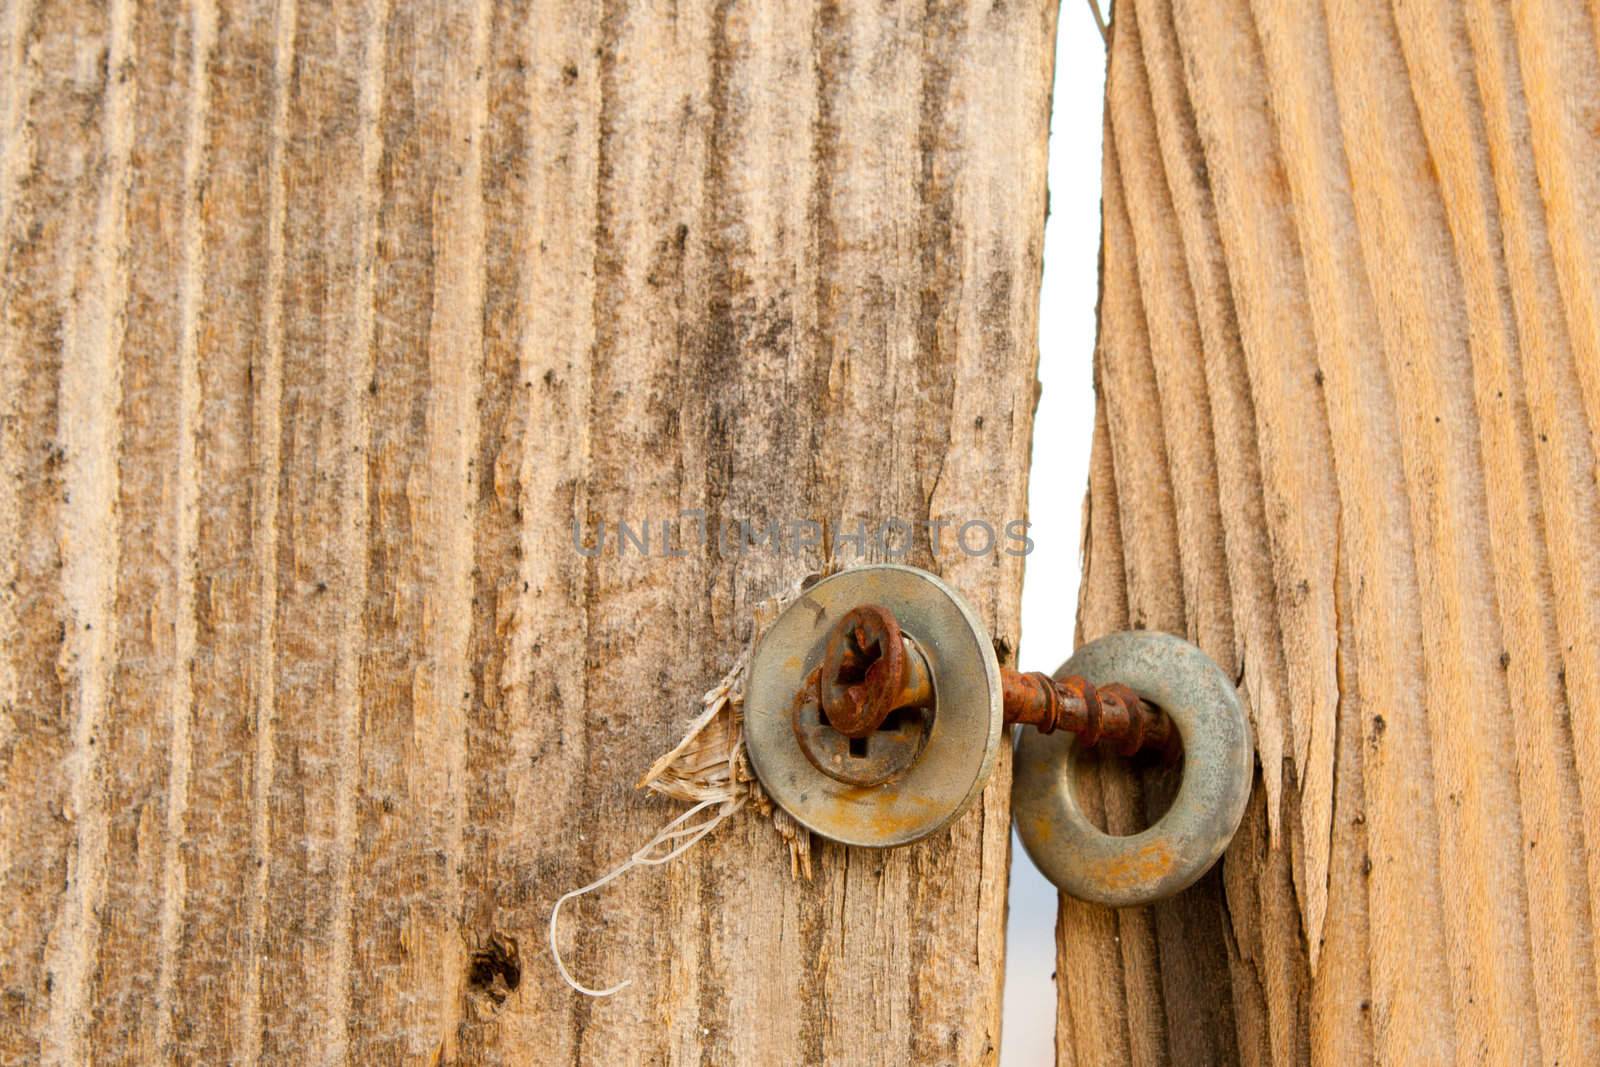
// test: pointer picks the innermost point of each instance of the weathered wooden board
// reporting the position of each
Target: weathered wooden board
(320, 325)
(1349, 370)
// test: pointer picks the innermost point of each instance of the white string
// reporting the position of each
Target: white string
(643, 858)
(707, 767)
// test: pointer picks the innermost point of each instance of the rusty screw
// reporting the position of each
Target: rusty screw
(870, 668)
(1113, 714)
(863, 670)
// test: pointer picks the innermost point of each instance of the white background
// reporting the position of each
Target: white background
(1061, 436)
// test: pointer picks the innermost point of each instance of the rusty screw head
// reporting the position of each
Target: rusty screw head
(863, 671)
(865, 714)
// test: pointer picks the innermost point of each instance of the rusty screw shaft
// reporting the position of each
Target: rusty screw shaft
(1111, 714)
(870, 668)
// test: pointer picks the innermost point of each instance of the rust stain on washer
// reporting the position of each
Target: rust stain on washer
(884, 818)
(1149, 864)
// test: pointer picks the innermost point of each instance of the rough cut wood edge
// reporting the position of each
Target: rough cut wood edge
(1348, 334)
(319, 326)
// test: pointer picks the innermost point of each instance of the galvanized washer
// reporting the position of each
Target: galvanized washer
(964, 737)
(1219, 762)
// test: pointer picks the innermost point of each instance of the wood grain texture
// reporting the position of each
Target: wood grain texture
(1348, 434)
(320, 325)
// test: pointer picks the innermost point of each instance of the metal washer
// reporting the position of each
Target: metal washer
(968, 720)
(1218, 768)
